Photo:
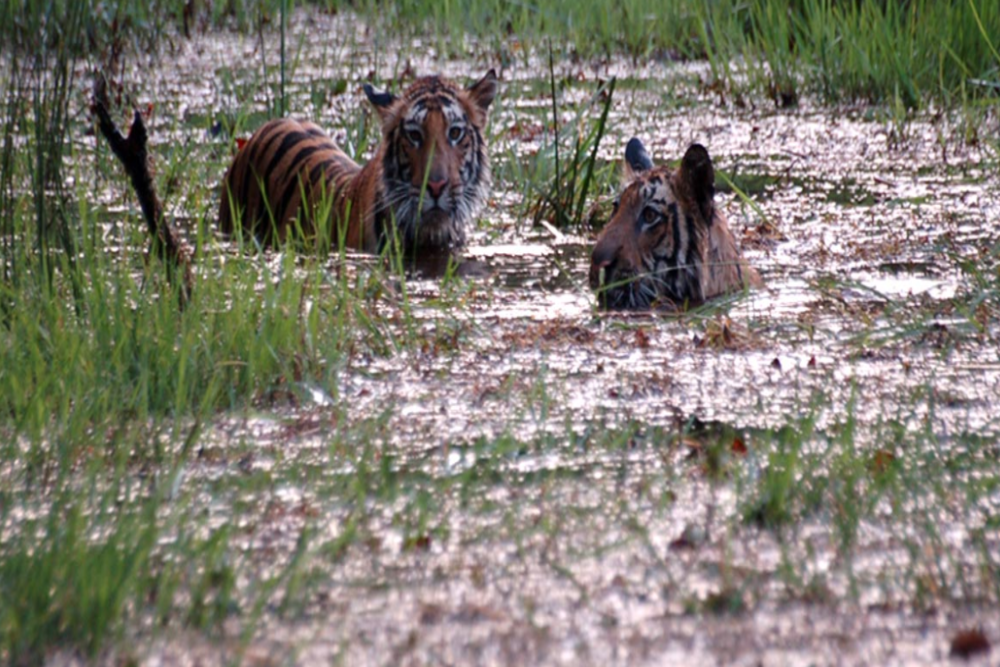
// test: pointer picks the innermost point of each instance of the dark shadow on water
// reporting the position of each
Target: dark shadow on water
(438, 264)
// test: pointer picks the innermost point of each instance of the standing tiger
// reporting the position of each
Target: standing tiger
(666, 242)
(426, 182)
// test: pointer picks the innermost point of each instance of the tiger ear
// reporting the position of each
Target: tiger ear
(637, 160)
(381, 100)
(698, 175)
(483, 91)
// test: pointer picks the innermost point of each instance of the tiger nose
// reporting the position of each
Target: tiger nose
(436, 187)
(602, 259)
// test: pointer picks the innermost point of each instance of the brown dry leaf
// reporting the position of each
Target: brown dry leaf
(417, 543)
(525, 132)
(722, 334)
(764, 235)
(680, 544)
(983, 316)
(546, 334)
(641, 339)
(306, 511)
(726, 601)
(477, 613)
(431, 613)
(407, 74)
(969, 643)
(880, 461)
(692, 537)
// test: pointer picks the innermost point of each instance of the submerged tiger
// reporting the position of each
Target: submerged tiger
(666, 242)
(426, 182)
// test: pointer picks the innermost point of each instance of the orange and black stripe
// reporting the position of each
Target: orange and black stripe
(283, 161)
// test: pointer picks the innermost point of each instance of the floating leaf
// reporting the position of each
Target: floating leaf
(969, 643)
(881, 461)
(641, 339)
(417, 543)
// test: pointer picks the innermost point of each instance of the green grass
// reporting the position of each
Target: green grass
(871, 51)
(867, 50)
(133, 354)
(566, 169)
(60, 588)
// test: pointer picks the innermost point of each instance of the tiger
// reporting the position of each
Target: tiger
(666, 243)
(427, 181)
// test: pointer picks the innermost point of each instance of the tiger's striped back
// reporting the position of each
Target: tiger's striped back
(285, 161)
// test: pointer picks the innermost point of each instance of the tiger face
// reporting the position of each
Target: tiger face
(435, 172)
(666, 244)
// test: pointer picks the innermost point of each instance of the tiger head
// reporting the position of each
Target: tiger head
(653, 248)
(435, 168)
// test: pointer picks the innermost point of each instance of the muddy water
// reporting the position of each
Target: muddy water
(858, 228)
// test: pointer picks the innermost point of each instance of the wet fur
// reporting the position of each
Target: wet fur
(292, 175)
(667, 243)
